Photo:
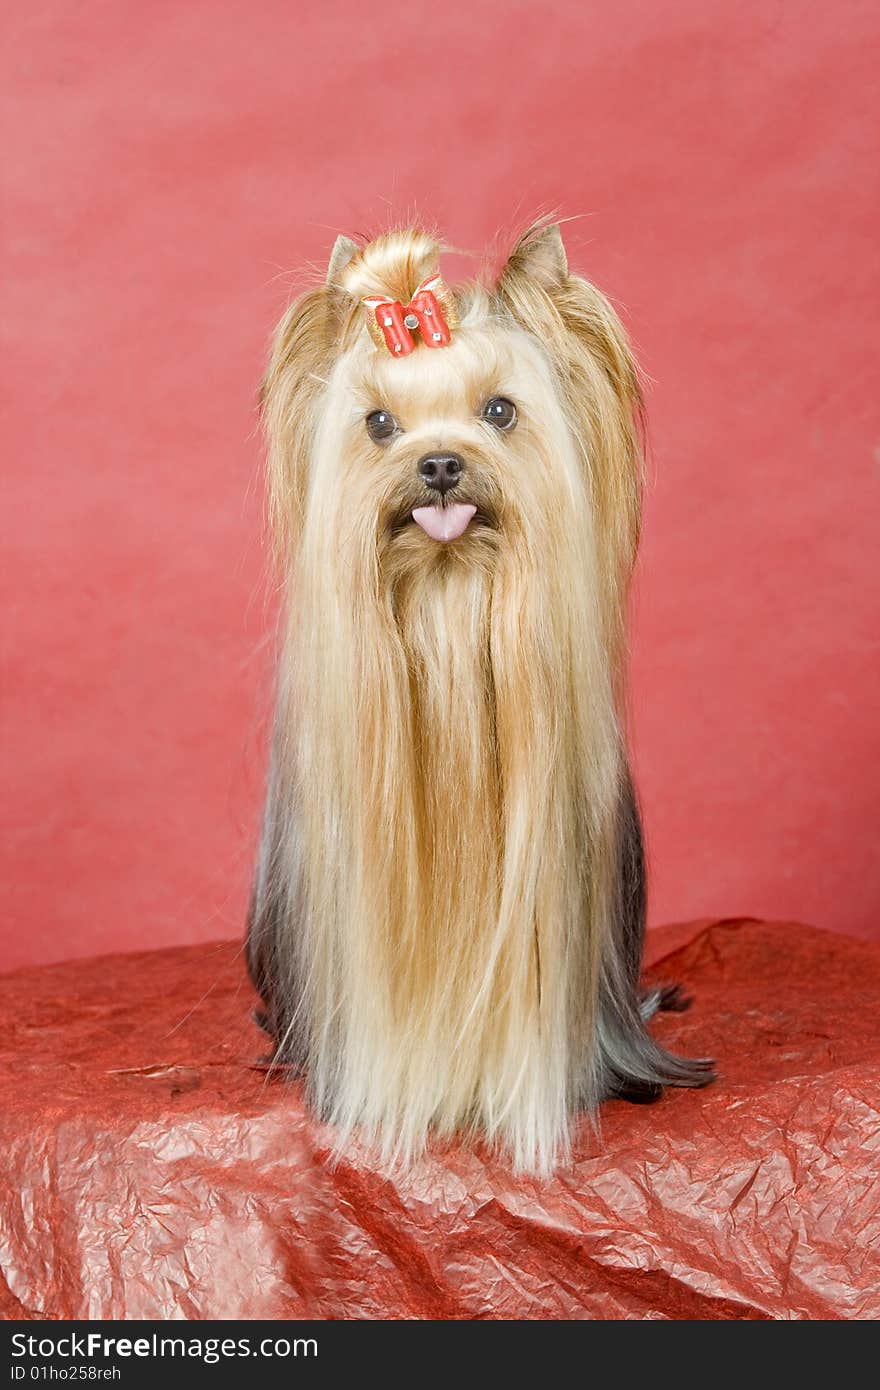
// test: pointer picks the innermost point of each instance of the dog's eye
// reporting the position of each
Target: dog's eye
(381, 426)
(500, 412)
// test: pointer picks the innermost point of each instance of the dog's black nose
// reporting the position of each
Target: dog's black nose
(440, 471)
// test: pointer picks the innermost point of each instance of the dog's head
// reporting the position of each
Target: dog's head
(519, 430)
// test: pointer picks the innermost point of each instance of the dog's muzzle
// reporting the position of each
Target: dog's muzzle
(442, 472)
(444, 520)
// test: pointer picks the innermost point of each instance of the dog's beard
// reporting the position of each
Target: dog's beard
(449, 717)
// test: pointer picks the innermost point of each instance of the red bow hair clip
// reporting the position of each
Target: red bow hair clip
(392, 324)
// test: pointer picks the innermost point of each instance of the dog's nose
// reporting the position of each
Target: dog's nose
(440, 471)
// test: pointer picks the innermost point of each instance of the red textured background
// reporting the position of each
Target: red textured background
(167, 165)
(154, 1170)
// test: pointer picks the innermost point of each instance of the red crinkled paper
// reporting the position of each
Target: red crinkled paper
(151, 1171)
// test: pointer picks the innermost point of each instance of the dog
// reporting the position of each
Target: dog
(448, 910)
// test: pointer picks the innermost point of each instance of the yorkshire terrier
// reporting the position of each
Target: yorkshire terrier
(448, 912)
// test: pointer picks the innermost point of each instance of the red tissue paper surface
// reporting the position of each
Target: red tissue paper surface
(150, 1170)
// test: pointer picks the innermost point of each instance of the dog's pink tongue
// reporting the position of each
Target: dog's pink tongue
(444, 523)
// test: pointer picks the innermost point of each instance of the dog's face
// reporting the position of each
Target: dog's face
(440, 457)
(516, 439)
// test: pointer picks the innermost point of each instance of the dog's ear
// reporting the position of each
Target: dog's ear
(599, 376)
(539, 257)
(537, 287)
(304, 347)
(343, 251)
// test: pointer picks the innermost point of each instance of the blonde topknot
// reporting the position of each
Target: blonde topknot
(393, 265)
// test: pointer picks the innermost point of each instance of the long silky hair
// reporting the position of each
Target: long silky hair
(448, 909)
